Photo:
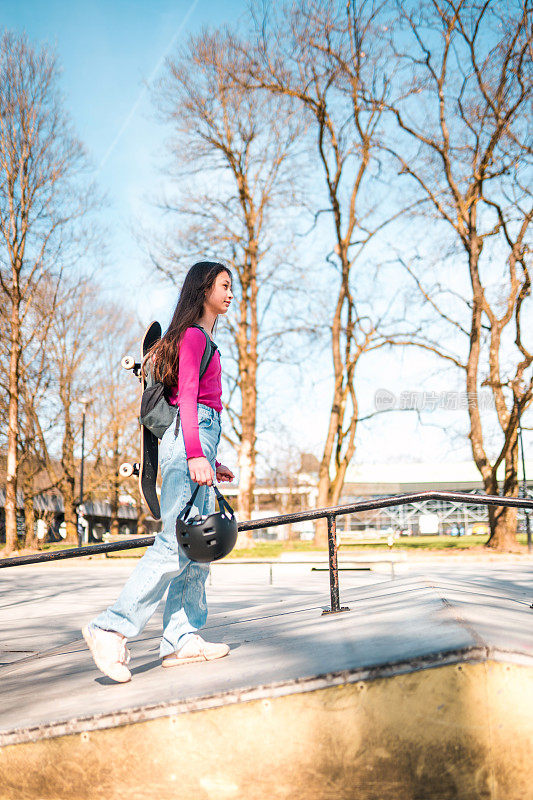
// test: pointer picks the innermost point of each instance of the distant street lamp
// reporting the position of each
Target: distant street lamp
(524, 487)
(84, 403)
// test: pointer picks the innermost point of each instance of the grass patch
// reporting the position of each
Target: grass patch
(427, 543)
(273, 550)
(135, 552)
(52, 546)
(421, 543)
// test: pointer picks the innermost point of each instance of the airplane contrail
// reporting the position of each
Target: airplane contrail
(144, 89)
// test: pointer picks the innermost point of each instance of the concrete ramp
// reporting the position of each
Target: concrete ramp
(424, 689)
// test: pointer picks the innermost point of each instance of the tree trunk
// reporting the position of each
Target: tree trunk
(13, 427)
(246, 460)
(502, 519)
(247, 454)
(69, 501)
(28, 467)
(329, 491)
(324, 499)
(115, 483)
(30, 539)
(68, 484)
(68, 481)
(141, 517)
(247, 343)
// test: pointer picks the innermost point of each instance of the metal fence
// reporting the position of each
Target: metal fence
(330, 514)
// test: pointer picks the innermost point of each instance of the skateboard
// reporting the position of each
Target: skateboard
(147, 468)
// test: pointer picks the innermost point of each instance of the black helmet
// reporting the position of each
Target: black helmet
(207, 538)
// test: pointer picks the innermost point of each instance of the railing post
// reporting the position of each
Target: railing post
(333, 568)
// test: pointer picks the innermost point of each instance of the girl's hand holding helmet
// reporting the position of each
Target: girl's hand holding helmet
(201, 471)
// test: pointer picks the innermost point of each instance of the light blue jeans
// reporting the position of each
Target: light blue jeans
(164, 564)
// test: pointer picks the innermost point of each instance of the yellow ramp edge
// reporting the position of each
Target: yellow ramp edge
(454, 731)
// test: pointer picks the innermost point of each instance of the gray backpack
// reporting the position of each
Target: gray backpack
(157, 414)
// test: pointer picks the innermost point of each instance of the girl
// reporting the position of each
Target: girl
(186, 460)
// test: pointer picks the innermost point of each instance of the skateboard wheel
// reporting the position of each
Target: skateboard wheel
(128, 362)
(126, 470)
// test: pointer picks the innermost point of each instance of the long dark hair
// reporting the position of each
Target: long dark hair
(189, 309)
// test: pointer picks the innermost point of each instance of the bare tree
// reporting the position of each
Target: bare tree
(40, 199)
(329, 60)
(114, 411)
(86, 337)
(465, 145)
(236, 149)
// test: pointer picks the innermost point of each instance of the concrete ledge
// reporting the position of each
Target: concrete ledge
(459, 730)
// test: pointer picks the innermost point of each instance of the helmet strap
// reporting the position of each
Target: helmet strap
(187, 507)
(223, 503)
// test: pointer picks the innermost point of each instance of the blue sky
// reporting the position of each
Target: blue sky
(108, 51)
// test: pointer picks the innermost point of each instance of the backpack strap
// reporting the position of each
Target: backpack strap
(209, 351)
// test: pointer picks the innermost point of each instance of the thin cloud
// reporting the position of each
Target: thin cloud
(144, 89)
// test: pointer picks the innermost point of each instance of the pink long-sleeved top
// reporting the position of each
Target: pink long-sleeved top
(191, 390)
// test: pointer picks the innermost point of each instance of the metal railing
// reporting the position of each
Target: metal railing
(330, 514)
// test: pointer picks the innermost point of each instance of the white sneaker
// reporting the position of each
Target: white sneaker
(109, 652)
(196, 649)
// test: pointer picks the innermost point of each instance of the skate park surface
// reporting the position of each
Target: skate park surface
(423, 689)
